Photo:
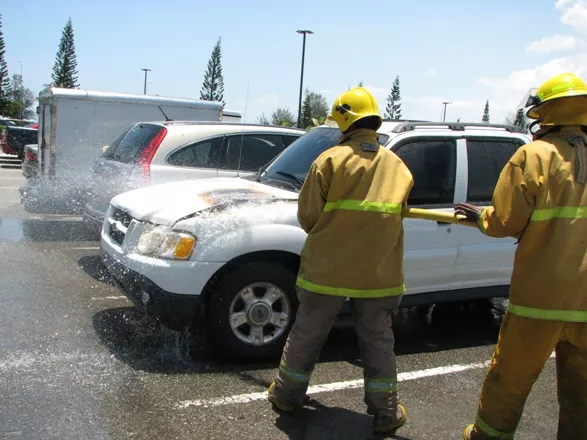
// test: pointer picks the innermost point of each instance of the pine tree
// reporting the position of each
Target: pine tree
(4, 79)
(393, 109)
(360, 84)
(213, 86)
(397, 106)
(485, 119)
(65, 68)
(314, 106)
(520, 120)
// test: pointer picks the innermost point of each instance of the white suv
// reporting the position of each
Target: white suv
(224, 253)
(160, 152)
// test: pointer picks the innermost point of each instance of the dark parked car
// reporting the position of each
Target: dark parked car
(17, 138)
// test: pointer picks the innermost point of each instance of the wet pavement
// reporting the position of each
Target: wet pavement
(78, 362)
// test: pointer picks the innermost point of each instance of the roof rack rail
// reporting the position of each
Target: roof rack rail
(403, 120)
(458, 126)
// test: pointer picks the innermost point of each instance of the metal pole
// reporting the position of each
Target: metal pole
(445, 103)
(304, 32)
(145, 86)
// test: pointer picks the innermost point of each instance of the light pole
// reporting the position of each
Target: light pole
(303, 32)
(21, 94)
(145, 87)
(445, 103)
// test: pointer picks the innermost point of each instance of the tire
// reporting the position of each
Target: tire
(227, 300)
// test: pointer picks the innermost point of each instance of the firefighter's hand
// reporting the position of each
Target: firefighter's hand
(471, 212)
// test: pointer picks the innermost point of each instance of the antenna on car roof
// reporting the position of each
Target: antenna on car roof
(166, 117)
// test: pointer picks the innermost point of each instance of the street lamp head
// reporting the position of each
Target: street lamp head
(304, 32)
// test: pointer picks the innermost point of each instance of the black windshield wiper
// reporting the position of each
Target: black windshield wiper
(291, 177)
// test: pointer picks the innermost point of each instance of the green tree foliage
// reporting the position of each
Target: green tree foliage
(213, 86)
(520, 120)
(4, 78)
(283, 117)
(21, 100)
(65, 68)
(314, 107)
(393, 109)
(485, 118)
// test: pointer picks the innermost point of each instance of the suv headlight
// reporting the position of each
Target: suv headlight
(162, 243)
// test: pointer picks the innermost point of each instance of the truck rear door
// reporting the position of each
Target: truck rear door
(484, 261)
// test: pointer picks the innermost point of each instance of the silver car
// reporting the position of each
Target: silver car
(160, 152)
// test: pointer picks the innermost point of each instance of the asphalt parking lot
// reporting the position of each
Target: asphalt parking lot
(77, 361)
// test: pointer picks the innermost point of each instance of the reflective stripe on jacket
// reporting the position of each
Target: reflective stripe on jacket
(538, 200)
(350, 206)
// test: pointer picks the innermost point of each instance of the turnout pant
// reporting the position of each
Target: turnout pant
(523, 348)
(315, 317)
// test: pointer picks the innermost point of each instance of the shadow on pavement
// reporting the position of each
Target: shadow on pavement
(143, 344)
(92, 265)
(17, 230)
(333, 422)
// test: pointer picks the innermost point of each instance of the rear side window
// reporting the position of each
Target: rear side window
(288, 140)
(486, 158)
(258, 149)
(231, 152)
(203, 154)
(128, 148)
(432, 163)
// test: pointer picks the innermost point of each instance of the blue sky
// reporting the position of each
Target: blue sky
(463, 51)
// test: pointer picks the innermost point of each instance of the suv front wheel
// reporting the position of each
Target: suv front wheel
(252, 310)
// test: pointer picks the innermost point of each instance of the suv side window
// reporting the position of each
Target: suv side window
(432, 163)
(231, 151)
(203, 154)
(258, 149)
(486, 158)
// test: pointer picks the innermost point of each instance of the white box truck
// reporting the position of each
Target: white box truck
(75, 125)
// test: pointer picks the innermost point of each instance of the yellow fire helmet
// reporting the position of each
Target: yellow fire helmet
(565, 85)
(352, 106)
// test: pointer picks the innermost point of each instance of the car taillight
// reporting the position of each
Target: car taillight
(149, 152)
(30, 156)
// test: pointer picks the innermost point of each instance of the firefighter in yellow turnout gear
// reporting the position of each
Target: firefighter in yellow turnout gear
(540, 199)
(350, 205)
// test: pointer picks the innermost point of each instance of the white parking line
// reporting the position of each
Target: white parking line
(100, 298)
(9, 187)
(84, 248)
(336, 386)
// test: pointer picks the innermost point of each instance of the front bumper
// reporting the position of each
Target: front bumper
(174, 288)
(93, 217)
(173, 310)
(30, 169)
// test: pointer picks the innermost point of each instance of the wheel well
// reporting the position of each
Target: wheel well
(287, 259)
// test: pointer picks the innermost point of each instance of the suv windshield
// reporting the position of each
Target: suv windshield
(297, 158)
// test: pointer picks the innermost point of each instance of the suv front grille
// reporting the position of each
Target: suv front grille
(119, 218)
(119, 215)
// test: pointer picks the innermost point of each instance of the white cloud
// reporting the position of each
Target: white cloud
(431, 72)
(555, 43)
(325, 91)
(507, 93)
(574, 13)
